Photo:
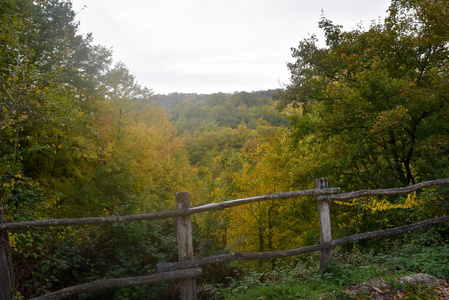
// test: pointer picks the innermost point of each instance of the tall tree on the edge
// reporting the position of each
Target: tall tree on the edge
(371, 107)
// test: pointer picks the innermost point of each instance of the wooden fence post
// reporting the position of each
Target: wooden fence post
(325, 225)
(6, 273)
(185, 244)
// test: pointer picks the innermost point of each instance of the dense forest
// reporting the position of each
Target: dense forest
(80, 137)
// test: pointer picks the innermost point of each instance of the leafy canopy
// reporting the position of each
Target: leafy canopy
(370, 108)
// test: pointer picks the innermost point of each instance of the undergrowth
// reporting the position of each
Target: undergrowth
(301, 280)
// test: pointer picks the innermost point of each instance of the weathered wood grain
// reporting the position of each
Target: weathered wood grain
(383, 192)
(325, 225)
(166, 214)
(119, 282)
(185, 244)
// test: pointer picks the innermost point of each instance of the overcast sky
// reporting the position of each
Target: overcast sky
(208, 46)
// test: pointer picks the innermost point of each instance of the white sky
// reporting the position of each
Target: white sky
(208, 46)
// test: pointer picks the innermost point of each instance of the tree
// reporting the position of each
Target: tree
(270, 225)
(47, 69)
(370, 109)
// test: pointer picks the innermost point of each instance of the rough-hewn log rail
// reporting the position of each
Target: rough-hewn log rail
(293, 252)
(321, 194)
(119, 282)
(167, 214)
(383, 192)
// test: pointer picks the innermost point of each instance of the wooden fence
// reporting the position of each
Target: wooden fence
(188, 268)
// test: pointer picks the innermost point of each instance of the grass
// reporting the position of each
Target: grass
(301, 280)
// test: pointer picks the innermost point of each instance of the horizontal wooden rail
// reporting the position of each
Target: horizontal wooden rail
(119, 282)
(278, 196)
(93, 221)
(166, 214)
(293, 252)
(383, 192)
(321, 194)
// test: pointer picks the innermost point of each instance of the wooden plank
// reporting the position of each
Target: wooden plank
(6, 272)
(237, 256)
(185, 244)
(325, 225)
(166, 214)
(118, 282)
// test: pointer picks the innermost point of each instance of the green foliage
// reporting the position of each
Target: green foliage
(240, 98)
(64, 257)
(127, 250)
(297, 283)
(369, 110)
(347, 270)
(371, 103)
(218, 131)
(431, 260)
(79, 138)
(200, 112)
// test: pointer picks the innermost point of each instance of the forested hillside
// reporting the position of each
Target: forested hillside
(79, 137)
